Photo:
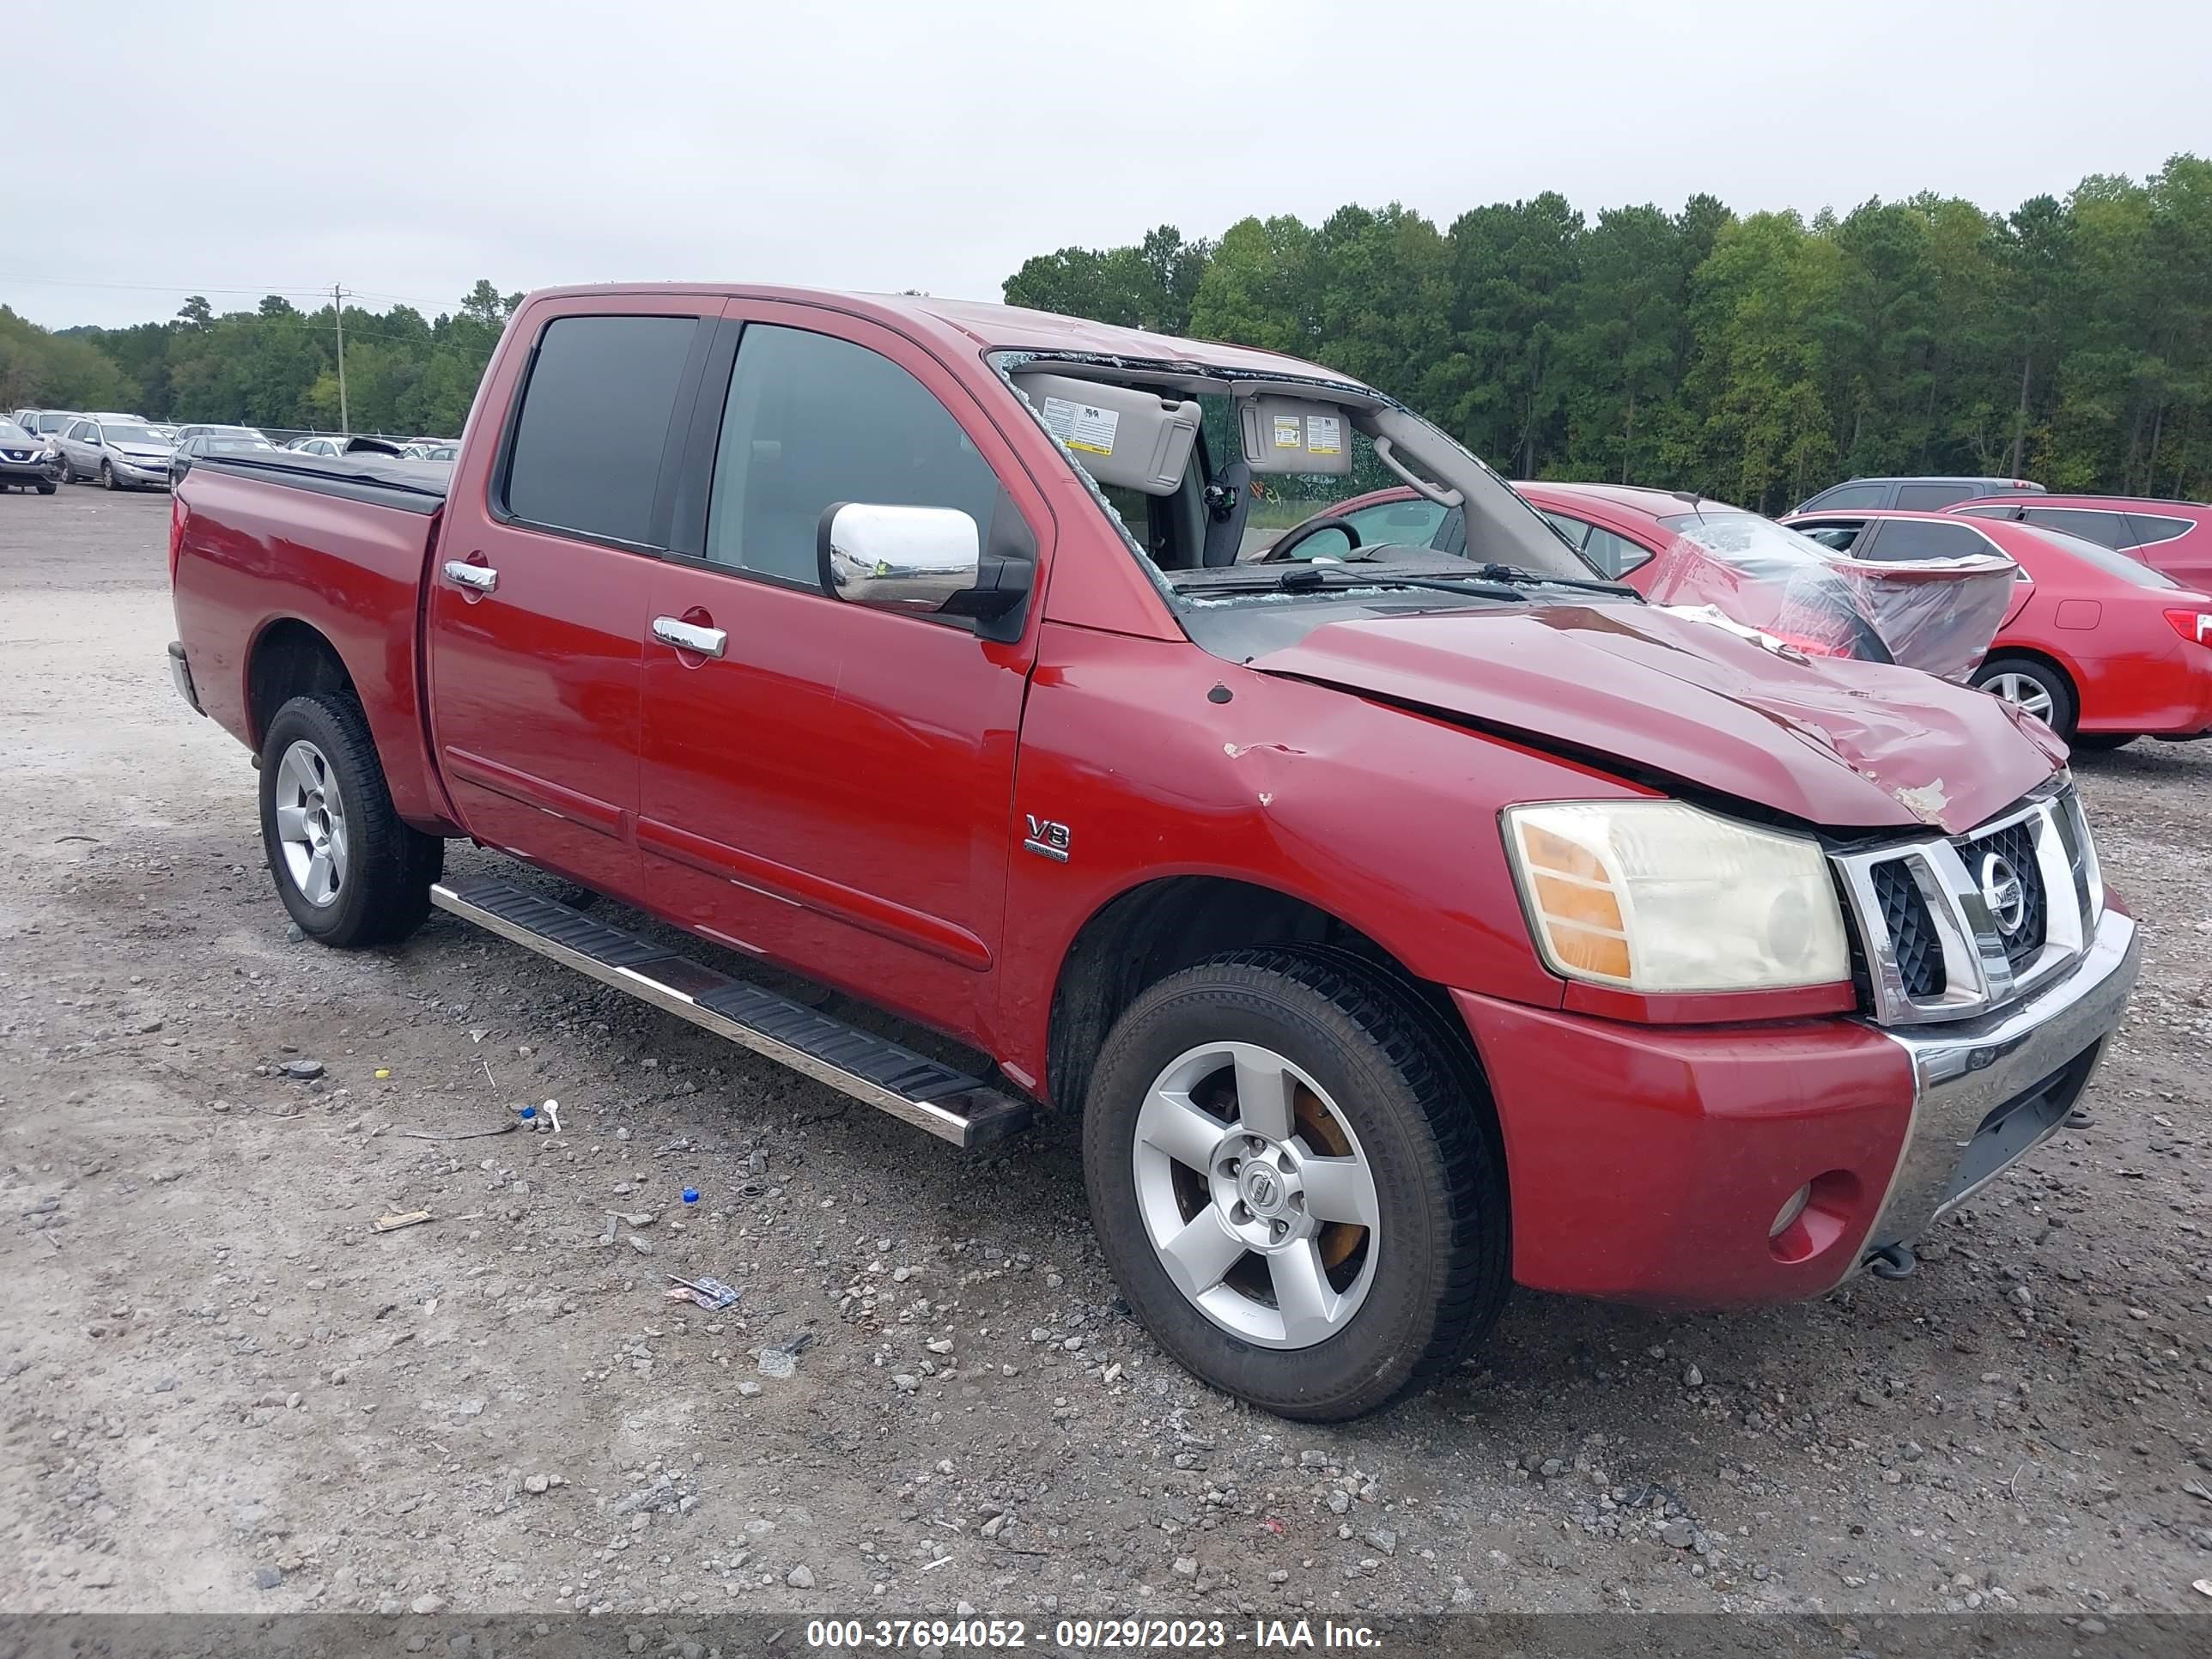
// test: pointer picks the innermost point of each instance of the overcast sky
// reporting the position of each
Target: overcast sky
(406, 149)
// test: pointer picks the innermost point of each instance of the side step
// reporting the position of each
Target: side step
(950, 1104)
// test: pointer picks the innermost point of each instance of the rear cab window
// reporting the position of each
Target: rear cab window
(585, 455)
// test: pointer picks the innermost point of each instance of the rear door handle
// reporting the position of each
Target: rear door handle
(482, 578)
(700, 641)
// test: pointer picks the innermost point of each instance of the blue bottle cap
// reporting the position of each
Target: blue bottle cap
(690, 1194)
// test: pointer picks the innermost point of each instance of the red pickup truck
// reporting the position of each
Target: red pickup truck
(1391, 930)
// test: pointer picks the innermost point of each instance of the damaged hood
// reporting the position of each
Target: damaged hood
(1839, 743)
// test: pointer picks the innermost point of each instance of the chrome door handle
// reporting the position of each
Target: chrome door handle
(700, 641)
(481, 577)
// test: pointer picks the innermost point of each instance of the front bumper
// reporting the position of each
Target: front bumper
(1988, 1091)
(1650, 1163)
(131, 472)
(39, 469)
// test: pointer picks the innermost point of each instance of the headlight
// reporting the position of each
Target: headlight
(1657, 897)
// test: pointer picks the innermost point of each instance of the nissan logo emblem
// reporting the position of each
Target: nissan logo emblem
(2002, 892)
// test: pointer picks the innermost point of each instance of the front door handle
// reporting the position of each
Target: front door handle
(700, 641)
(480, 578)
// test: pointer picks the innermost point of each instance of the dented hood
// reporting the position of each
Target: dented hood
(1835, 742)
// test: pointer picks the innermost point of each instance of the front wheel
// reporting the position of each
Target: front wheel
(2037, 687)
(350, 870)
(47, 486)
(108, 477)
(1294, 1174)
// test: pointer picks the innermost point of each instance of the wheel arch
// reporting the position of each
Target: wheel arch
(288, 658)
(2042, 657)
(1158, 928)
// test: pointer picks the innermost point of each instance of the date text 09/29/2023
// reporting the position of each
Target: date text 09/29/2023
(1098, 1635)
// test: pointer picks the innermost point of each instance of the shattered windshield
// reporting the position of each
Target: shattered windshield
(1241, 490)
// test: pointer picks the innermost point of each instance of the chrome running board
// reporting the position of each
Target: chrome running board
(948, 1103)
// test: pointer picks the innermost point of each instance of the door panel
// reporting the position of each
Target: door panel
(833, 792)
(535, 632)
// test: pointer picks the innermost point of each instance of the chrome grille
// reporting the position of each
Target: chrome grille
(2014, 845)
(1953, 927)
(1912, 930)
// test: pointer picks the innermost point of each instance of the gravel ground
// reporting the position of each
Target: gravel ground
(223, 1391)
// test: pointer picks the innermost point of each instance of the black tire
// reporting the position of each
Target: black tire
(384, 892)
(1418, 1106)
(108, 477)
(62, 473)
(2055, 686)
(2101, 741)
(48, 488)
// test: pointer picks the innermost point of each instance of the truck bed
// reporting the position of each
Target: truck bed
(410, 486)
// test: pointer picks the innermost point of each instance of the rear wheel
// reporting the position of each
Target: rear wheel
(2034, 686)
(1295, 1179)
(350, 870)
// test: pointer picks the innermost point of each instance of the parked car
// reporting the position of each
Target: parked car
(1385, 935)
(24, 460)
(45, 424)
(2175, 536)
(431, 449)
(217, 441)
(122, 451)
(1680, 549)
(1929, 492)
(206, 429)
(340, 443)
(2098, 644)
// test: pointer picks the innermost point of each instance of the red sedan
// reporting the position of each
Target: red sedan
(2097, 644)
(2174, 537)
(1685, 550)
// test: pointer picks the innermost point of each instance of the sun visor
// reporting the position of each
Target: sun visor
(1294, 434)
(1122, 434)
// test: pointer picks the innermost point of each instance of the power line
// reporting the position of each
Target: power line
(189, 289)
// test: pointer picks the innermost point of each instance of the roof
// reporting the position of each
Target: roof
(963, 326)
(2110, 503)
(1652, 504)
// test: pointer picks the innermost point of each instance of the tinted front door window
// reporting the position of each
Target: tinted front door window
(812, 421)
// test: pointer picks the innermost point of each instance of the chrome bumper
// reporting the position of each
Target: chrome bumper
(2035, 1058)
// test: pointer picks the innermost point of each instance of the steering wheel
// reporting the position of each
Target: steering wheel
(1282, 549)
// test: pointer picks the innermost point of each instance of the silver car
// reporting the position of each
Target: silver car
(122, 451)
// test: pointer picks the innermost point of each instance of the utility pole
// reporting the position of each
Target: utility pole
(337, 310)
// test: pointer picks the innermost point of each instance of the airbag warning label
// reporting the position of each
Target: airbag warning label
(1288, 432)
(1081, 426)
(1324, 435)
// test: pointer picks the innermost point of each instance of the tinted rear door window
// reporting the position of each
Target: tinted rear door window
(1915, 539)
(2147, 529)
(1932, 497)
(2091, 525)
(594, 420)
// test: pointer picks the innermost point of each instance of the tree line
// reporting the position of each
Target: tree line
(1757, 358)
(275, 366)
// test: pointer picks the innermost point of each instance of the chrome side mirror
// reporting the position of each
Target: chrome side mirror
(899, 558)
(926, 561)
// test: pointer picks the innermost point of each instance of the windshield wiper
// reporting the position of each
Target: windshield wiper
(1520, 578)
(1313, 579)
